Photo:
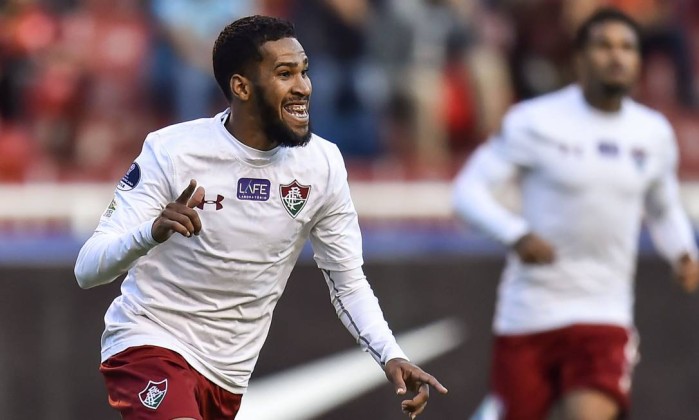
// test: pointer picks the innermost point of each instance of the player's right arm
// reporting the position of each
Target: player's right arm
(495, 164)
(140, 216)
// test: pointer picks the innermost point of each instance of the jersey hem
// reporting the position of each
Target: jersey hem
(531, 329)
(190, 359)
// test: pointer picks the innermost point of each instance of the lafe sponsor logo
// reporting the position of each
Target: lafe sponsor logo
(253, 189)
(608, 148)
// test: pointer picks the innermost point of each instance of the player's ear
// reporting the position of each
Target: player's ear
(240, 87)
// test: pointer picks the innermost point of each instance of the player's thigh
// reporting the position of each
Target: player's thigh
(216, 402)
(588, 404)
(151, 383)
(521, 380)
(598, 366)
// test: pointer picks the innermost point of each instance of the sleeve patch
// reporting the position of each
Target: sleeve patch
(111, 209)
(130, 179)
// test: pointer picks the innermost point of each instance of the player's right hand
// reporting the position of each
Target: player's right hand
(532, 249)
(687, 273)
(180, 216)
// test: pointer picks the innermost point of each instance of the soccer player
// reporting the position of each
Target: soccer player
(208, 223)
(590, 163)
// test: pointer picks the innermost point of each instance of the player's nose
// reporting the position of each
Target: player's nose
(302, 86)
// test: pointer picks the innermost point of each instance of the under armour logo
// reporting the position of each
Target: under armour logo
(217, 201)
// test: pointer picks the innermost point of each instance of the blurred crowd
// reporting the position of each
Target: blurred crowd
(406, 88)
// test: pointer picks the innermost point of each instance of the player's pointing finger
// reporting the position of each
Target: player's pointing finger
(436, 385)
(187, 193)
(197, 198)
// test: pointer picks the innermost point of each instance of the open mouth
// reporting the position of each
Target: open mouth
(298, 112)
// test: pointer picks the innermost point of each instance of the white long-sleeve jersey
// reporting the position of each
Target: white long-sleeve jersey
(210, 297)
(586, 178)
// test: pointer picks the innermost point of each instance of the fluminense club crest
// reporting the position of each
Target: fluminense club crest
(153, 394)
(294, 197)
(639, 157)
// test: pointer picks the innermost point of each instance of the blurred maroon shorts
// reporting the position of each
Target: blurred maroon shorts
(149, 382)
(530, 372)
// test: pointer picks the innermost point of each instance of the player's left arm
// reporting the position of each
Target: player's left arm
(358, 308)
(668, 223)
(337, 246)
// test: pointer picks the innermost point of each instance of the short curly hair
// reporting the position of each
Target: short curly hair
(603, 15)
(238, 46)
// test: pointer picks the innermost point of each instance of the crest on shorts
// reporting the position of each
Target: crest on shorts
(153, 394)
(294, 197)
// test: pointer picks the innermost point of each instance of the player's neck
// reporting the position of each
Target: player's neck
(602, 101)
(248, 131)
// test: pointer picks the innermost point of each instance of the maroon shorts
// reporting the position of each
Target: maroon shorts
(531, 372)
(149, 382)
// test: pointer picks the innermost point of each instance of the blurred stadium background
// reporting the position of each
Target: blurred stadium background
(406, 88)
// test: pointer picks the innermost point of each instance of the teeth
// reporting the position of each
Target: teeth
(299, 111)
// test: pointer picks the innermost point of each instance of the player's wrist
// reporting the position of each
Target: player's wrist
(681, 261)
(522, 240)
(395, 363)
(394, 353)
(147, 229)
(513, 232)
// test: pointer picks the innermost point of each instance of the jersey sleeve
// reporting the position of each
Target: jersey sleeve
(124, 231)
(492, 166)
(667, 222)
(359, 310)
(335, 237)
(337, 244)
(515, 142)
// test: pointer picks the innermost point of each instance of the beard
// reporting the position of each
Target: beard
(274, 127)
(614, 89)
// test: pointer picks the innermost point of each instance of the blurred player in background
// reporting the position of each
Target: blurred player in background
(590, 163)
(205, 269)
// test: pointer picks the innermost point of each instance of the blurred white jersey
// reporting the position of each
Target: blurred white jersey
(210, 297)
(587, 178)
